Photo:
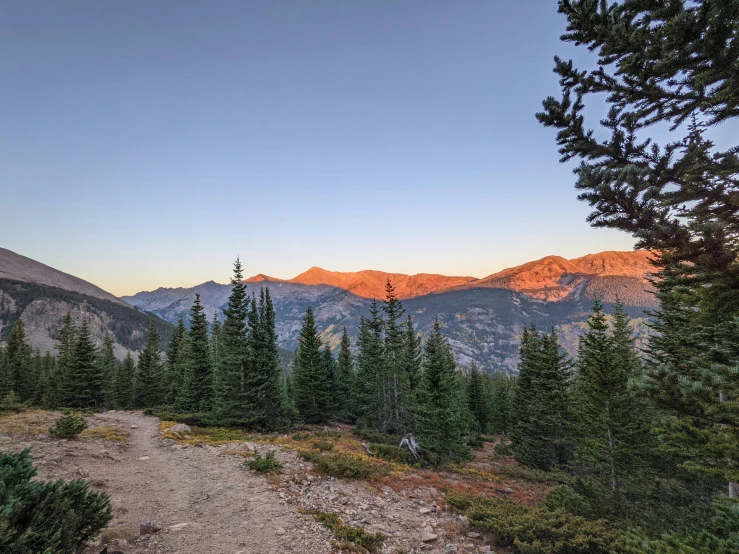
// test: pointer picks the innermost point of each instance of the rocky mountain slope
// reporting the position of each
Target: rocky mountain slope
(483, 318)
(41, 296)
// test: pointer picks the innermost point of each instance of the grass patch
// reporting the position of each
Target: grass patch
(110, 433)
(347, 537)
(268, 464)
(537, 530)
(392, 453)
(323, 445)
(31, 423)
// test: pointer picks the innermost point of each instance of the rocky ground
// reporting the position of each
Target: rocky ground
(200, 498)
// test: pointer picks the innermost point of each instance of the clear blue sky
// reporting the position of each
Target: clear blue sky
(147, 143)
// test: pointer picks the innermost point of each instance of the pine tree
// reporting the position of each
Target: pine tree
(441, 418)
(176, 362)
(107, 365)
(412, 359)
(60, 391)
(197, 387)
(477, 401)
(229, 402)
(85, 375)
(150, 387)
(346, 380)
(667, 65)
(18, 357)
(501, 403)
(215, 339)
(394, 416)
(124, 383)
(6, 381)
(311, 379)
(612, 430)
(262, 385)
(369, 392)
(541, 436)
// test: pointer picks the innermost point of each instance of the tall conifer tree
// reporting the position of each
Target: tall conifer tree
(124, 383)
(19, 356)
(311, 378)
(229, 402)
(176, 362)
(150, 386)
(477, 401)
(85, 376)
(346, 382)
(107, 366)
(197, 386)
(59, 391)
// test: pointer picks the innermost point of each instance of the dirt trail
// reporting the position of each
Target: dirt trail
(214, 504)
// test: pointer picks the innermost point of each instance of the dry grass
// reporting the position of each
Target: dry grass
(27, 424)
(109, 433)
(128, 533)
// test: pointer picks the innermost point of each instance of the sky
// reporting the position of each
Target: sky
(148, 144)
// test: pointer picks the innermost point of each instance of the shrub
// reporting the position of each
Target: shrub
(719, 534)
(68, 426)
(346, 533)
(536, 530)
(503, 448)
(475, 441)
(11, 403)
(327, 434)
(392, 453)
(340, 465)
(323, 445)
(268, 464)
(48, 517)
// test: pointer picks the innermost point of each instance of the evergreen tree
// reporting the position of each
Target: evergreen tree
(346, 380)
(124, 383)
(6, 381)
(60, 391)
(229, 402)
(85, 376)
(369, 392)
(541, 435)
(149, 383)
(215, 339)
(441, 419)
(197, 387)
(394, 415)
(311, 379)
(107, 365)
(176, 362)
(668, 65)
(18, 357)
(477, 401)
(412, 359)
(263, 385)
(501, 403)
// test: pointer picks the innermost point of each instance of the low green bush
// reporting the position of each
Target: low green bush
(11, 402)
(47, 517)
(346, 533)
(503, 448)
(68, 426)
(475, 441)
(341, 465)
(392, 453)
(536, 530)
(323, 445)
(268, 464)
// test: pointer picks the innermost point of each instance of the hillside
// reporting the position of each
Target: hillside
(483, 318)
(41, 296)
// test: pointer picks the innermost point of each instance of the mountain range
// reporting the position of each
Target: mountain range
(41, 296)
(483, 318)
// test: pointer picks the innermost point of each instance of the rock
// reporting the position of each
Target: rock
(149, 528)
(425, 511)
(179, 428)
(344, 500)
(483, 549)
(144, 458)
(428, 536)
(473, 535)
(178, 526)
(167, 442)
(450, 549)
(280, 531)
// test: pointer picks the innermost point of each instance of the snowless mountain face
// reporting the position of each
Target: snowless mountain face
(41, 296)
(483, 318)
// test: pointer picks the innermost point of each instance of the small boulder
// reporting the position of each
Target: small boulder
(179, 428)
(473, 535)
(280, 531)
(178, 526)
(428, 536)
(425, 511)
(149, 528)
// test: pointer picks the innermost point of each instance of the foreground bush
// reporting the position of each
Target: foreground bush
(537, 530)
(267, 464)
(346, 535)
(46, 517)
(68, 426)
